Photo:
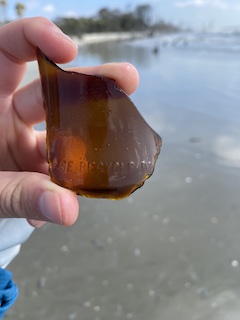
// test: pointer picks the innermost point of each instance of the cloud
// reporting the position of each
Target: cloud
(49, 8)
(201, 3)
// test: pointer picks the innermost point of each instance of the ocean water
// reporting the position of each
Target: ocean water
(172, 249)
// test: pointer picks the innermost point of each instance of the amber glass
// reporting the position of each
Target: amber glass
(98, 144)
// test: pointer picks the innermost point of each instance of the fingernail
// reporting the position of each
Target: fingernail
(63, 35)
(50, 208)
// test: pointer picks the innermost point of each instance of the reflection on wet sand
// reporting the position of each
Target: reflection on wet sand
(227, 149)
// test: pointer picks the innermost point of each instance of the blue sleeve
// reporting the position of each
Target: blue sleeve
(8, 291)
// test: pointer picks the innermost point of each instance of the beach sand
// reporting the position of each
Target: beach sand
(90, 38)
(170, 250)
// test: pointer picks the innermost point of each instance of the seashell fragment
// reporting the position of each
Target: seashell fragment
(98, 144)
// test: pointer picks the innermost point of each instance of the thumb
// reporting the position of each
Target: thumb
(33, 196)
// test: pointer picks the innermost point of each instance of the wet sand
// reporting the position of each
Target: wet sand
(171, 250)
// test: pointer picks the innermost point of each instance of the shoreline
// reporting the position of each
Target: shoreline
(92, 38)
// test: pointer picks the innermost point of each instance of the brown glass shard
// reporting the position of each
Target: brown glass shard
(98, 144)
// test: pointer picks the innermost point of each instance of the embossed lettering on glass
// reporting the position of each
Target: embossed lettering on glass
(98, 144)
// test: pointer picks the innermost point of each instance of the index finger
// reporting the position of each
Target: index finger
(19, 40)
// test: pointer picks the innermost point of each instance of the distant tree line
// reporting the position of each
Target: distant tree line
(106, 20)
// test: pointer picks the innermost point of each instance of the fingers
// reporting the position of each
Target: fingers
(36, 223)
(19, 40)
(28, 100)
(35, 197)
(41, 146)
(125, 74)
(28, 103)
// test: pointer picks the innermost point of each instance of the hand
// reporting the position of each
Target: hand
(25, 188)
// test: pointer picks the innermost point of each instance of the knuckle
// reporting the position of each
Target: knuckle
(11, 200)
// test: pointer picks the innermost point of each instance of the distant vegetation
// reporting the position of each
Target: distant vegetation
(106, 20)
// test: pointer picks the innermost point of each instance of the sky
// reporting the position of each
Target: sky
(198, 14)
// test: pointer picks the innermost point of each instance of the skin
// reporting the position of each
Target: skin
(25, 189)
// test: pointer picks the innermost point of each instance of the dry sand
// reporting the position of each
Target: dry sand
(107, 36)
